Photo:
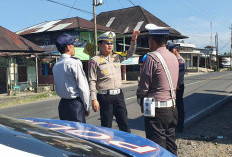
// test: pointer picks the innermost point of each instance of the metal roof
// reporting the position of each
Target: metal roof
(11, 42)
(125, 20)
(64, 24)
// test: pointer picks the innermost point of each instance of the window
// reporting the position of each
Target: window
(47, 40)
(110, 21)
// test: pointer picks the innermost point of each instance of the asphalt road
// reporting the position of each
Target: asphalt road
(202, 94)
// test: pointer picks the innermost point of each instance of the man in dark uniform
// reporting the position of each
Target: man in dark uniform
(175, 49)
(105, 77)
(70, 82)
(154, 84)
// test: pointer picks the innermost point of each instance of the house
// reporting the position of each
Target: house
(210, 56)
(122, 22)
(18, 58)
(127, 19)
(191, 55)
(46, 33)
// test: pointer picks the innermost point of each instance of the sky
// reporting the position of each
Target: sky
(190, 17)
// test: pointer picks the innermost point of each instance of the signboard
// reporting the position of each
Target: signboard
(131, 61)
(79, 53)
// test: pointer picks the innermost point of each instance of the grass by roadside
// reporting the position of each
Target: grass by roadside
(18, 99)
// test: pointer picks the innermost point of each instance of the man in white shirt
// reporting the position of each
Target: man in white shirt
(70, 82)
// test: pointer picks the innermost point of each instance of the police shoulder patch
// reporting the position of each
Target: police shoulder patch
(144, 57)
(95, 58)
(91, 63)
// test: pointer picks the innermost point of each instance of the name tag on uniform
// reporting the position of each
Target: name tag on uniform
(149, 107)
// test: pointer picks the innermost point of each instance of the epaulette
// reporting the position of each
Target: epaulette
(123, 54)
(76, 58)
(95, 57)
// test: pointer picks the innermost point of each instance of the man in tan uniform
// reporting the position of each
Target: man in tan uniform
(105, 77)
(154, 84)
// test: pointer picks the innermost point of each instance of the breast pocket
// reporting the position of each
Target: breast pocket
(117, 66)
(104, 70)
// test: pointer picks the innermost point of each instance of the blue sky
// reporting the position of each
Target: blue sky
(190, 17)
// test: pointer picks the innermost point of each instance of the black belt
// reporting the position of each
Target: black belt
(77, 98)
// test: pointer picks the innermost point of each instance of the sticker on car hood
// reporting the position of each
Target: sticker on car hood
(117, 140)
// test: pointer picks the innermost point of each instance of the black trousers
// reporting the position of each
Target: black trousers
(72, 110)
(161, 128)
(180, 107)
(113, 105)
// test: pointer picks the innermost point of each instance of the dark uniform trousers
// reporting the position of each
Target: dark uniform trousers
(113, 105)
(72, 110)
(161, 128)
(180, 107)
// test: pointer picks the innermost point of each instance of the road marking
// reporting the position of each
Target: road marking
(209, 107)
(191, 83)
(194, 82)
(131, 98)
(212, 78)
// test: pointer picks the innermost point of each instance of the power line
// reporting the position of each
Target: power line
(107, 4)
(120, 3)
(69, 6)
(131, 2)
(226, 44)
(203, 12)
(209, 12)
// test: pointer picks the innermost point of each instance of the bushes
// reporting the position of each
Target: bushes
(215, 68)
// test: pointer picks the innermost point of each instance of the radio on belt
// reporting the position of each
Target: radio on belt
(149, 107)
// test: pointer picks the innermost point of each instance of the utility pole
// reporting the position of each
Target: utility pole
(216, 45)
(95, 22)
(95, 25)
(211, 33)
(231, 48)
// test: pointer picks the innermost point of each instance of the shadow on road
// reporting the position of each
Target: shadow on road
(137, 124)
(217, 91)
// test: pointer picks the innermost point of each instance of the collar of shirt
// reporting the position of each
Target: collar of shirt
(65, 55)
(179, 57)
(105, 57)
(161, 49)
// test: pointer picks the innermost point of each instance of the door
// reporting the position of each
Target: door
(3, 80)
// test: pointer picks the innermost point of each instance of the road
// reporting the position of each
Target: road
(202, 94)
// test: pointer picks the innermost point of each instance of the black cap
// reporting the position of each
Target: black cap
(171, 47)
(66, 39)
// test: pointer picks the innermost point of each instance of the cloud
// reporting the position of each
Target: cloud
(193, 18)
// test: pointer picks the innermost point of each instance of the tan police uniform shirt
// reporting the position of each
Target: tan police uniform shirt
(105, 71)
(153, 80)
